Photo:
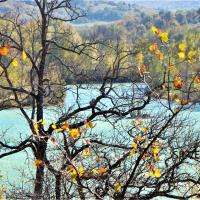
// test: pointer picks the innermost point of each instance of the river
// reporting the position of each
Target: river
(13, 126)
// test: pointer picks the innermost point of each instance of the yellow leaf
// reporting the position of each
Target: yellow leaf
(182, 46)
(14, 63)
(80, 170)
(155, 30)
(24, 56)
(36, 128)
(144, 129)
(181, 55)
(74, 133)
(164, 37)
(58, 130)
(132, 152)
(135, 146)
(53, 126)
(191, 54)
(177, 100)
(151, 174)
(42, 122)
(157, 173)
(86, 152)
(118, 187)
(155, 150)
(94, 171)
(145, 146)
(1, 69)
(72, 172)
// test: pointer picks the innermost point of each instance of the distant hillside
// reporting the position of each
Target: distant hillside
(95, 10)
(17, 5)
(106, 11)
(169, 4)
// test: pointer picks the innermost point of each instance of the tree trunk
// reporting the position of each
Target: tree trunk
(39, 182)
(81, 194)
(41, 150)
(58, 187)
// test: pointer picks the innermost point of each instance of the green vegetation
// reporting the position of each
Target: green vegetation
(131, 33)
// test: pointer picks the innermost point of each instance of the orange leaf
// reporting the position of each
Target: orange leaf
(153, 47)
(89, 124)
(65, 126)
(102, 171)
(184, 102)
(197, 79)
(137, 139)
(178, 82)
(85, 174)
(4, 51)
(142, 69)
(37, 163)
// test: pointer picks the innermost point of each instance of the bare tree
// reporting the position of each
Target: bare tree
(125, 159)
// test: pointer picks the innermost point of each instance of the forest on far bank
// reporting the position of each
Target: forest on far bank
(131, 32)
